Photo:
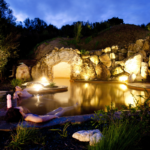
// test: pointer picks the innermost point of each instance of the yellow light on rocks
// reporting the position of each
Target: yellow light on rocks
(123, 87)
(77, 71)
(86, 77)
(112, 56)
(123, 78)
(44, 81)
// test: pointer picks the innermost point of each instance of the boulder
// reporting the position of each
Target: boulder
(144, 70)
(92, 136)
(85, 56)
(102, 72)
(131, 78)
(105, 60)
(106, 50)
(146, 46)
(133, 64)
(88, 72)
(114, 49)
(23, 72)
(139, 43)
(39, 70)
(98, 70)
(98, 53)
(112, 56)
(143, 53)
(117, 70)
(130, 53)
(94, 59)
(121, 56)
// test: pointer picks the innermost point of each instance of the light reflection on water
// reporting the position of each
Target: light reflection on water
(90, 96)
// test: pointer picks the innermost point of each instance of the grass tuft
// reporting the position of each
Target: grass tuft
(25, 136)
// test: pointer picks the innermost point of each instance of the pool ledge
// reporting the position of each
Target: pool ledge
(4, 126)
(136, 86)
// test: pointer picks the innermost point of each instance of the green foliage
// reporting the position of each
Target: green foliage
(63, 133)
(148, 26)
(102, 117)
(118, 136)
(124, 131)
(96, 44)
(25, 136)
(87, 40)
(77, 30)
(45, 42)
(52, 84)
(16, 82)
(84, 52)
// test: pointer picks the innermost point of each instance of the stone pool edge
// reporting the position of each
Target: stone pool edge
(4, 126)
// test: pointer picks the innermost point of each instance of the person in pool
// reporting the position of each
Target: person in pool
(21, 93)
(15, 114)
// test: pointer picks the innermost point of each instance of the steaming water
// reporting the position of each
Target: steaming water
(90, 97)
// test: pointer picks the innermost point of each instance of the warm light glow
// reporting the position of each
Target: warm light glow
(37, 87)
(133, 76)
(123, 87)
(123, 78)
(94, 59)
(44, 81)
(94, 101)
(77, 71)
(86, 77)
(112, 56)
(86, 85)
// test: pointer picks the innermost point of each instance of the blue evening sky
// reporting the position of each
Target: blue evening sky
(62, 12)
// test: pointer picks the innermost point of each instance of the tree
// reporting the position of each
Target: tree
(115, 21)
(77, 31)
(8, 39)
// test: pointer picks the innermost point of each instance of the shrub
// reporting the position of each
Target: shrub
(24, 136)
(84, 52)
(52, 84)
(118, 136)
(16, 82)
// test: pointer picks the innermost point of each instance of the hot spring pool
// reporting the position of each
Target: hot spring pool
(90, 96)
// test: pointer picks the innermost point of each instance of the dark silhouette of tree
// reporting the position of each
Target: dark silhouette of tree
(115, 21)
(8, 35)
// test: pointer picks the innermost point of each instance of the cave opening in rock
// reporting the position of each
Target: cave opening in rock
(61, 70)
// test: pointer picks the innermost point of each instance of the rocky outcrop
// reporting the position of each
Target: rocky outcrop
(105, 60)
(133, 64)
(39, 70)
(102, 72)
(98, 64)
(23, 72)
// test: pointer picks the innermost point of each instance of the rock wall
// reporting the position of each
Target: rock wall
(98, 64)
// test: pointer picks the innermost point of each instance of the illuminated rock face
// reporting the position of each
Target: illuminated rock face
(133, 64)
(39, 70)
(67, 57)
(105, 60)
(117, 70)
(97, 64)
(22, 72)
(144, 70)
(94, 59)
